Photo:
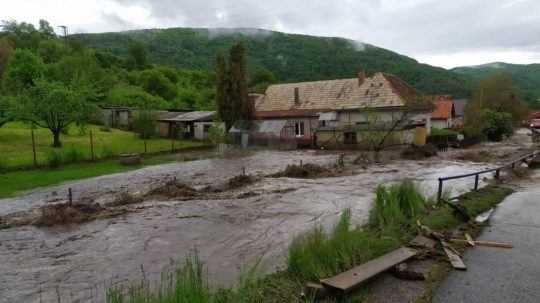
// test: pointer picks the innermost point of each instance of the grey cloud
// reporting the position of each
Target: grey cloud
(427, 27)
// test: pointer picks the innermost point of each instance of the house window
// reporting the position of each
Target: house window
(322, 123)
(350, 138)
(206, 128)
(299, 129)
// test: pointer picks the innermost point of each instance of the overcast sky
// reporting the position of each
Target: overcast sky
(445, 33)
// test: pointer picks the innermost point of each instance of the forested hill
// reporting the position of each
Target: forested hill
(290, 57)
(525, 77)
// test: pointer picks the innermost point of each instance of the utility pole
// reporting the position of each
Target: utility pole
(65, 31)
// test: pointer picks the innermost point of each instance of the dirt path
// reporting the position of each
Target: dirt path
(79, 262)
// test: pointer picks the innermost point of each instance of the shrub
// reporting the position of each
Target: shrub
(54, 159)
(73, 155)
(106, 152)
(105, 129)
(145, 124)
(498, 125)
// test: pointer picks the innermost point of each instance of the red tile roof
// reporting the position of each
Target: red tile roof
(444, 109)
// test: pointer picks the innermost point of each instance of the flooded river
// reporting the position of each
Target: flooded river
(77, 263)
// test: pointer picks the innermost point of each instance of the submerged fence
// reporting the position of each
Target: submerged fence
(476, 175)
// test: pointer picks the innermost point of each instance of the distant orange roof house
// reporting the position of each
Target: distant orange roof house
(443, 113)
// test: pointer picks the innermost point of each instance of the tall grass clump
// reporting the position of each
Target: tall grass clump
(73, 155)
(187, 284)
(54, 158)
(319, 255)
(397, 206)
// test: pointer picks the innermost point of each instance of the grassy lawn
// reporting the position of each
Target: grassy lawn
(16, 144)
(22, 180)
(16, 181)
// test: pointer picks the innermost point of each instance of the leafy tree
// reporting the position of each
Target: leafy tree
(22, 35)
(134, 96)
(155, 83)
(23, 70)
(145, 124)
(137, 55)
(46, 29)
(497, 93)
(5, 50)
(261, 79)
(52, 51)
(223, 103)
(54, 106)
(232, 98)
(498, 125)
(169, 72)
(242, 107)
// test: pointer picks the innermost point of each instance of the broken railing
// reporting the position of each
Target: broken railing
(476, 175)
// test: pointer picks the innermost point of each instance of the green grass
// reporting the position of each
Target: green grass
(16, 144)
(17, 181)
(318, 254)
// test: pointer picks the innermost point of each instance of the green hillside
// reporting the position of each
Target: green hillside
(291, 57)
(526, 77)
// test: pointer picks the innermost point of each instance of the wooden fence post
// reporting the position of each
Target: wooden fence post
(70, 196)
(145, 147)
(476, 179)
(92, 155)
(498, 174)
(439, 193)
(34, 146)
(172, 145)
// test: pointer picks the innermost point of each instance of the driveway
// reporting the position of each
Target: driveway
(502, 275)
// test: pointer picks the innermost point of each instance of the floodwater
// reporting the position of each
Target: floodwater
(78, 263)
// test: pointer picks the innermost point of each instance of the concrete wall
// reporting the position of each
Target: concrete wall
(355, 118)
(441, 124)
(202, 128)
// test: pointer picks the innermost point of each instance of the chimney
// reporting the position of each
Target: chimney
(361, 77)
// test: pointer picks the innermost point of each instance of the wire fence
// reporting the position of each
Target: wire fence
(26, 148)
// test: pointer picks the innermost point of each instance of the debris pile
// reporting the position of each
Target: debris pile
(427, 244)
(174, 189)
(308, 170)
(240, 181)
(67, 213)
(414, 152)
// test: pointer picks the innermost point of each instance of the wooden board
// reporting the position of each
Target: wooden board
(348, 280)
(486, 243)
(455, 260)
(483, 217)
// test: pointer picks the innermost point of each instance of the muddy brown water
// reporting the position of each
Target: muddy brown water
(77, 263)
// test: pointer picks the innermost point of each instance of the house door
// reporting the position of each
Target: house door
(350, 138)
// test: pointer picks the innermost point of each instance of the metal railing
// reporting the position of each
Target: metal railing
(497, 171)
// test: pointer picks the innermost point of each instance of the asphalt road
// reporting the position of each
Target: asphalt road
(502, 275)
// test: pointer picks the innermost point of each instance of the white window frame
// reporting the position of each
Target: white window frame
(299, 128)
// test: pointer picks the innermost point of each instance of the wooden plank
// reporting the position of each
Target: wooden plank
(348, 280)
(469, 239)
(483, 217)
(486, 243)
(314, 290)
(454, 258)
(424, 242)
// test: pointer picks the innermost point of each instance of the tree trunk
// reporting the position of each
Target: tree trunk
(56, 138)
